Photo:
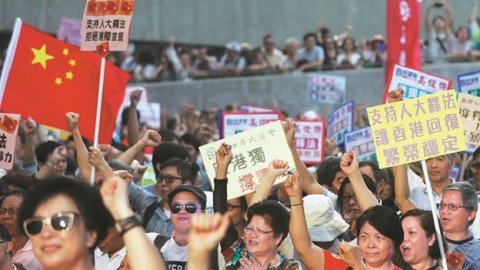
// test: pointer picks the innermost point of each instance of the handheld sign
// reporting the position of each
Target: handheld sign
(254, 108)
(415, 83)
(310, 141)
(253, 150)
(417, 129)
(8, 135)
(470, 114)
(235, 122)
(469, 83)
(361, 141)
(340, 121)
(326, 89)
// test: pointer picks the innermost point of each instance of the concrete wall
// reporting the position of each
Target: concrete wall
(288, 90)
(215, 22)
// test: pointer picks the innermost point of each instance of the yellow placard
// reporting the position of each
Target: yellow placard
(417, 129)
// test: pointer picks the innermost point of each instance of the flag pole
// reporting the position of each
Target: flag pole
(434, 214)
(97, 117)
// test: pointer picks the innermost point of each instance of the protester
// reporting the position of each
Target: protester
(6, 246)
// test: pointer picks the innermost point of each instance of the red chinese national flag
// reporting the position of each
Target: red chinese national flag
(46, 78)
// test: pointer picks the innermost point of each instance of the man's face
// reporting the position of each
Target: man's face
(167, 180)
(186, 202)
(439, 168)
(57, 161)
(455, 220)
(310, 43)
(476, 168)
(337, 181)
(112, 243)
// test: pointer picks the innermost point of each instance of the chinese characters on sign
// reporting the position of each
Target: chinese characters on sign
(8, 135)
(417, 129)
(415, 83)
(253, 108)
(234, 123)
(310, 141)
(326, 89)
(340, 121)
(469, 83)
(470, 114)
(361, 141)
(253, 150)
(106, 21)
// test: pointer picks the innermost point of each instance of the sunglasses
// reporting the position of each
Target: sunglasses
(189, 207)
(169, 179)
(60, 222)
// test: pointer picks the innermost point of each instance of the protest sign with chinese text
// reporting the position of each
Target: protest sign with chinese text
(417, 129)
(361, 141)
(106, 25)
(235, 122)
(340, 121)
(470, 113)
(469, 83)
(415, 83)
(8, 135)
(69, 31)
(253, 150)
(310, 140)
(326, 88)
(253, 108)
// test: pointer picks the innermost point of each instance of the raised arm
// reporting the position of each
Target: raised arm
(82, 151)
(449, 25)
(133, 123)
(149, 138)
(115, 198)
(473, 12)
(29, 160)
(349, 165)
(428, 27)
(275, 169)
(311, 255)
(97, 160)
(402, 189)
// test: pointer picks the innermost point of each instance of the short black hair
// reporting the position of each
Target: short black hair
(275, 214)
(378, 173)
(368, 181)
(327, 170)
(166, 151)
(45, 149)
(191, 139)
(310, 34)
(385, 221)
(87, 199)
(186, 169)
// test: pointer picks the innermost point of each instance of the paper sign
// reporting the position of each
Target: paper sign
(340, 121)
(415, 83)
(236, 122)
(417, 129)
(469, 83)
(149, 111)
(69, 31)
(106, 23)
(253, 108)
(310, 141)
(470, 113)
(8, 136)
(326, 89)
(361, 141)
(253, 150)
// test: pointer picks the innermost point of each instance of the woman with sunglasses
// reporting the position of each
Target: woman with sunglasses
(65, 220)
(266, 226)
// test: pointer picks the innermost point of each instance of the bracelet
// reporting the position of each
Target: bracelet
(296, 204)
(126, 224)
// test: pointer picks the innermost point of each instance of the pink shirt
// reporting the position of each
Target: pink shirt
(26, 257)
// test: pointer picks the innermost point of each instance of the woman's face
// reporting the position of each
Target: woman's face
(261, 239)
(55, 249)
(349, 201)
(376, 248)
(416, 243)
(10, 205)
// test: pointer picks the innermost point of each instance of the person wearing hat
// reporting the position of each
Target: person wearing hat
(231, 62)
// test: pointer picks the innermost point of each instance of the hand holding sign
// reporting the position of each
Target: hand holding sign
(395, 95)
(223, 157)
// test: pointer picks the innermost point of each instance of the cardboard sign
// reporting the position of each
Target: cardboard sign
(253, 108)
(340, 121)
(69, 31)
(361, 141)
(106, 23)
(326, 89)
(469, 83)
(8, 136)
(470, 113)
(417, 129)
(310, 141)
(253, 150)
(415, 83)
(236, 122)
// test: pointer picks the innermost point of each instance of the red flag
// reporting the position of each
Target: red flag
(404, 19)
(45, 78)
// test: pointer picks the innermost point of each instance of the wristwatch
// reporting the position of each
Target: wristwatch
(125, 224)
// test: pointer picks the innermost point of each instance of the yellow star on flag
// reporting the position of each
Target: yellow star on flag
(41, 56)
(69, 75)
(72, 62)
(58, 81)
(65, 52)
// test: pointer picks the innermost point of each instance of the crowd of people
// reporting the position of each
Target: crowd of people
(56, 212)
(319, 50)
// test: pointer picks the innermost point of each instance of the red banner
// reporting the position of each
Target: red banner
(404, 18)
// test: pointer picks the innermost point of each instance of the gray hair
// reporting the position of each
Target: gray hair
(468, 192)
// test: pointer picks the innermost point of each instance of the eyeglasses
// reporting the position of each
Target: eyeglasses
(476, 166)
(60, 222)
(168, 179)
(12, 211)
(189, 207)
(450, 206)
(258, 232)
(230, 207)
(57, 164)
(347, 198)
